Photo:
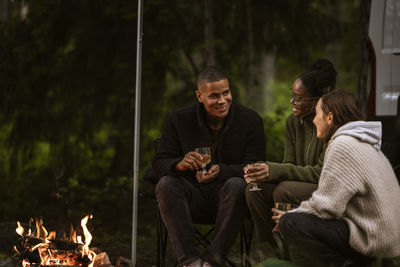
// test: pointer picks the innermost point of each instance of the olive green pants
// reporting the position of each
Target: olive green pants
(261, 202)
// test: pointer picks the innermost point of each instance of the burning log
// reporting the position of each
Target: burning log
(30, 241)
(65, 245)
(44, 250)
(51, 253)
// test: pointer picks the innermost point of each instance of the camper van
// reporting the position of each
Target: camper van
(384, 33)
(384, 91)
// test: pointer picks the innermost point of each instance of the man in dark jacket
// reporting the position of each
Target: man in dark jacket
(184, 193)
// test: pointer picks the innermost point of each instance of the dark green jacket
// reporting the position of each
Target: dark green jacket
(304, 153)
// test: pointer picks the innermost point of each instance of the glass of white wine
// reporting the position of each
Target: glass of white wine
(252, 168)
(205, 152)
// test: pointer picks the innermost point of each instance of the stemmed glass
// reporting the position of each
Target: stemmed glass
(251, 168)
(205, 152)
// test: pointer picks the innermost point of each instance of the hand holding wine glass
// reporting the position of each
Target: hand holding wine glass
(191, 161)
(255, 172)
(197, 161)
(205, 153)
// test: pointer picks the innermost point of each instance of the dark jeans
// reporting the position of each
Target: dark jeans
(261, 202)
(181, 203)
(313, 241)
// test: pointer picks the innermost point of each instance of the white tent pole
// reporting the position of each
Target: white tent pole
(137, 128)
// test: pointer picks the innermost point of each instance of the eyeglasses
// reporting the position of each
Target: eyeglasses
(296, 101)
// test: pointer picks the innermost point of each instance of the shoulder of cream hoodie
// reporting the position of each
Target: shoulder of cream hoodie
(365, 131)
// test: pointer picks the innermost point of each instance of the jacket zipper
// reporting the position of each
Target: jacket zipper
(308, 146)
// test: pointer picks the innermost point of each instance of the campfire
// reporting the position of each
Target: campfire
(41, 248)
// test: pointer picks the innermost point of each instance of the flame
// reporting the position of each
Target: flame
(88, 236)
(52, 235)
(54, 257)
(88, 239)
(72, 236)
(51, 256)
(45, 233)
(25, 263)
(37, 228)
(40, 245)
(20, 229)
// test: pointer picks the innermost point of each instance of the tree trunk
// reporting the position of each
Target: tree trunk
(333, 49)
(209, 32)
(5, 10)
(266, 75)
(365, 58)
(251, 96)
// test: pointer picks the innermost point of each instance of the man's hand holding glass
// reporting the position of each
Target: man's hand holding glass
(197, 161)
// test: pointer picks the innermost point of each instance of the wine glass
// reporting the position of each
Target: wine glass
(205, 152)
(251, 168)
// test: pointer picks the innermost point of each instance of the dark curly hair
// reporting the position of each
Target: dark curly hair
(320, 78)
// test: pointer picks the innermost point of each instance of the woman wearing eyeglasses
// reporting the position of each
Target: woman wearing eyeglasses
(293, 180)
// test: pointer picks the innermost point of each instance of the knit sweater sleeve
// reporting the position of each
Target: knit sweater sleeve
(289, 169)
(337, 185)
(279, 172)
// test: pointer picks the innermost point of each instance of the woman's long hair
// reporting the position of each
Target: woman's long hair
(344, 107)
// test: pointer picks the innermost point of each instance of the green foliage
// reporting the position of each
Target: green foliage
(4, 151)
(67, 91)
(66, 113)
(274, 121)
(3, 256)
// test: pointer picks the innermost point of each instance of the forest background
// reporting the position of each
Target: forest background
(67, 76)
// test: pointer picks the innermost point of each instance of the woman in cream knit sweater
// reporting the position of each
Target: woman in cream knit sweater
(354, 215)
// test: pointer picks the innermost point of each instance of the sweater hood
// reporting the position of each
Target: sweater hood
(366, 131)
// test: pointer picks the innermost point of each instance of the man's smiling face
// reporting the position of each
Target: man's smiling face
(216, 98)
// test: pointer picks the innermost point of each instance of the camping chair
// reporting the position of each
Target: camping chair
(202, 237)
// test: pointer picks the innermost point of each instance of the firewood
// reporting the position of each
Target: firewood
(123, 262)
